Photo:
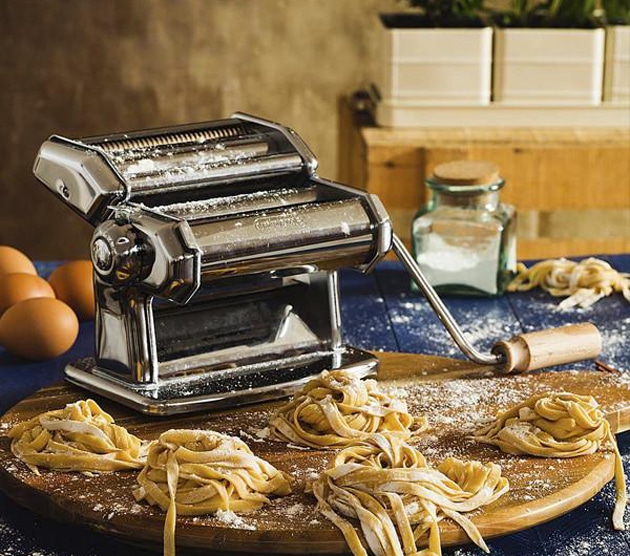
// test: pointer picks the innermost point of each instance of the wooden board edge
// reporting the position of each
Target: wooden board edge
(536, 512)
(498, 524)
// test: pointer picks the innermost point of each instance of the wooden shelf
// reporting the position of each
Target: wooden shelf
(571, 185)
(409, 113)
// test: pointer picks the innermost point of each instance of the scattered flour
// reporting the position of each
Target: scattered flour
(296, 447)
(246, 436)
(296, 509)
(228, 517)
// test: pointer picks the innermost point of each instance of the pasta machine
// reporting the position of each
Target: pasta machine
(215, 253)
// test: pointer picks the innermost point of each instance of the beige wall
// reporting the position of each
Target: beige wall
(81, 67)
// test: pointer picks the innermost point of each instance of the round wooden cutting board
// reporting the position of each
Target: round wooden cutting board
(454, 395)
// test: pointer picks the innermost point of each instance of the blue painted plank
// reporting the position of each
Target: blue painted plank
(45, 268)
(417, 328)
(23, 533)
(537, 310)
(364, 316)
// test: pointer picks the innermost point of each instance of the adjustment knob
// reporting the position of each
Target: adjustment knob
(120, 254)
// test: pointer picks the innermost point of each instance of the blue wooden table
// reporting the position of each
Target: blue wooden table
(380, 313)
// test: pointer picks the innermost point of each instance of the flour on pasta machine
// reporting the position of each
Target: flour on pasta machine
(215, 257)
(215, 253)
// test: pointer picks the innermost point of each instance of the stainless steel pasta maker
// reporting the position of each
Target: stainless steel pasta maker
(215, 253)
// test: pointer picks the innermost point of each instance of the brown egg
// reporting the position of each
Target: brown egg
(39, 328)
(12, 260)
(73, 284)
(19, 286)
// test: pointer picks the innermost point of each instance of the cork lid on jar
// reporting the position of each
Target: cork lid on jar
(466, 172)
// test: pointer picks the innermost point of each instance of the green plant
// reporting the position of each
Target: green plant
(521, 13)
(570, 13)
(548, 13)
(449, 13)
(617, 11)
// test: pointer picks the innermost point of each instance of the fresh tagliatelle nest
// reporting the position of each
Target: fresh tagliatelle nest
(79, 437)
(386, 485)
(196, 472)
(338, 408)
(556, 425)
(582, 283)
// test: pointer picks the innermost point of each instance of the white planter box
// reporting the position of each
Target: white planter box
(437, 67)
(617, 66)
(549, 67)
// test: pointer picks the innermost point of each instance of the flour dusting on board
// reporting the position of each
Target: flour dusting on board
(229, 518)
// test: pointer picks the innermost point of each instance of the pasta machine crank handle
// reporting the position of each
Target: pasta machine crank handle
(525, 352)
(554, 346)
(440, 309)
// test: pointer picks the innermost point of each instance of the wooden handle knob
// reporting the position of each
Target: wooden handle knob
(546, 348)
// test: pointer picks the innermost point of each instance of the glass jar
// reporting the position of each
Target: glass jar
(464, 239)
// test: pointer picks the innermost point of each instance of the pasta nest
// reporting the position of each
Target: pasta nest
(80, 437)
(194, 472)
(205, 471)
(338, 408)
(556, 425)
(386, 484)
(583, 283)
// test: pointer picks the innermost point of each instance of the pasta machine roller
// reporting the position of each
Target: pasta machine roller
(215, 253)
